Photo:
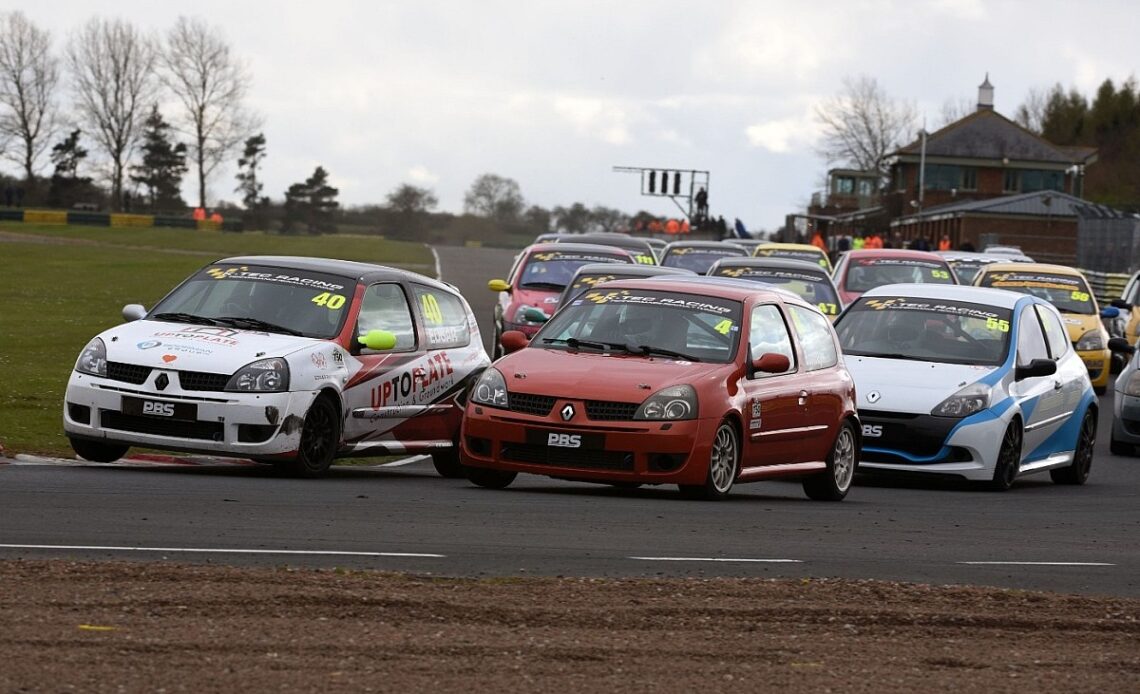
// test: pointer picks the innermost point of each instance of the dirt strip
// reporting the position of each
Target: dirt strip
(166, 627)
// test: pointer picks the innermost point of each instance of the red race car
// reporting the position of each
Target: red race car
(863, 270)
(695, 381)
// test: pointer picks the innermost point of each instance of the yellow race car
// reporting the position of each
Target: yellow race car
(1068, 290)
(794, 251)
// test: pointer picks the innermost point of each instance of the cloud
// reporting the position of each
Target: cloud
(784, 135)
(961, 9)
(602, 119)
(422, 175)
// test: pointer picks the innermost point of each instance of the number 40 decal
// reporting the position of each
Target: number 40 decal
(329, 301)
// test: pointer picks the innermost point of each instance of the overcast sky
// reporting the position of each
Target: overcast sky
(554, 94)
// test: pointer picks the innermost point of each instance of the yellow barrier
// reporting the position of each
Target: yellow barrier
(473, 243)
(207, 225)
(132, 220)
(45, 217)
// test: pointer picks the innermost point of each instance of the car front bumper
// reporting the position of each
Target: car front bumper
(1097, 362)
(969, 447)
(238, 424)
(1126, 419)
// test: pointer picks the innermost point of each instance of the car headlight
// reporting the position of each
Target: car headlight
(672, 403)
(490, 390)
(1132, 387)
(93, 359)
(521, 319)
(1093, 340)
(264, 376)
(973, 398)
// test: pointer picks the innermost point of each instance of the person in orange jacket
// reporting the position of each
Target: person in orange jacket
(818, 242)
(672, 226)
(944, 243)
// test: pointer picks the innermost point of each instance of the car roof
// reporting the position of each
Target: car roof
(1001, 298)
(893, 253)
(569, 247)
(632, 270)
(1032, 267)
(720, 287)
(607, 239)
(363, 272)
(715, 245)
(767, 262)
(792, 246)
(983, 257)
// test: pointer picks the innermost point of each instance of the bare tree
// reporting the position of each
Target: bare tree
(954, 110)
(29, 74)
(494, 197)
(112, 67)
(862, 125)
(211, 85)
(1031, 113)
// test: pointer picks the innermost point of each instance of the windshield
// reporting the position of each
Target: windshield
(812, 287)
(864, 274)
(687, 326)
(951, 332)
(587, 280)
(815, 257)
(1069, 293)
(966, 270)
(554, 269)
(699, 260)
(254, 297)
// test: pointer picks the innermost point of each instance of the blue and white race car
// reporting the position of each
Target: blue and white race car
(977, 383)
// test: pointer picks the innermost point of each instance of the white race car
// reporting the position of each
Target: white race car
(292, 361)
(977, 383)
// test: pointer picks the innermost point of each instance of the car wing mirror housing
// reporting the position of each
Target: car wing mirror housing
(499, 286)
(771, 363)
(133, 312)
(378, 340)
(535, 315)
(1035, 368)
(513, 341)
(1110, 312)
(1120, 344)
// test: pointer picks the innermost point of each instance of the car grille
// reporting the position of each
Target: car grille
(209, 431)
(200, 380)
(916, 434)
(538, 405)
(128, 373)
(610, 411)
(567, 457)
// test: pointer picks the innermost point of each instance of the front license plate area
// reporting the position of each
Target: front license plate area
(159, 409)
(562, 439)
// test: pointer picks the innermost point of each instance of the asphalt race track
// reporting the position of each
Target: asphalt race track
(405, 518)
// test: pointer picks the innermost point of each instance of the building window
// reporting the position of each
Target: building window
(943, 176)
(1042, 180)
(845, 185)
(900, 178)
(866, 187)
(969, 178)
(1011, 182)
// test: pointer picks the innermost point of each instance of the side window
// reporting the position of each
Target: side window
(385, 307)
(769, 333)
(815, 338)
(1054, 332)
(1030, 341)
(445, 318)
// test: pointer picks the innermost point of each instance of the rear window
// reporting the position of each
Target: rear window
(864, 274)
(699, 260)
(555, 269)
(813, 287)
(1069, 293)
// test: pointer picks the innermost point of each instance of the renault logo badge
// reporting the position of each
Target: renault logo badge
(873, 397)
(162, 381)
(567, 412)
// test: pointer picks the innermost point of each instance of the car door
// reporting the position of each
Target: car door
(378, 396)
(776, 404)
(1071, 380)
(1040, 397)
(823, 382)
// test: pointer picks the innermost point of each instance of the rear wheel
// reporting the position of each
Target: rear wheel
(491, 479)
(1009, 459)
(320, 435)
(98, 451)
(833, 484)
(447, 464)
(724, 463)
(1077, 472)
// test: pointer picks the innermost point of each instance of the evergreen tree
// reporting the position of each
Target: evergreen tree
(250, 186)
(163, 165)
(311, 204)
(67, 186)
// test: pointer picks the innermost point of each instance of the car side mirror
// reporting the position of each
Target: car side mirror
(1121, 304)
(133, 312)
(535, 315)
(378, 340)
(1110, 312)
(771, 363)
(499, 286)
(513, 341)
(1120, 344)
(1035, 369)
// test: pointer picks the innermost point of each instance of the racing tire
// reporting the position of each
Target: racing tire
(496, 348)
(1009, 459)
(724, 465)
(834, 483)
(491, 479)
(98, 451)
(1120, 448)
(447, 464)
(1100, 390)
(320, 436)
(1077, 472)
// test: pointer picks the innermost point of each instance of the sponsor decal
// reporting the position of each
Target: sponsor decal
(446, 335)
(243, 273)
(907, 262)
(161, 409)
(756, 409)
(420, 382)
(548, 256)
(872, 431)
(203, 333)
(994, 320)
(550, 300)
(169, 358)
(690, 250)
(319, 360)
(149, 344)
(874, 396)
(791, 253)
(627, 296)
(564, 440)
(338, 357)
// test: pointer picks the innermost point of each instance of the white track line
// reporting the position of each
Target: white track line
(211, 550)
(1035, 563)
(720, 559)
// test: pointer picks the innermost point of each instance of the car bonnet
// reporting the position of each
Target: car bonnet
(915, 387)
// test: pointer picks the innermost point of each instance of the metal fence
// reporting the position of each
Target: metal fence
(1108, 245)
(1106, 285)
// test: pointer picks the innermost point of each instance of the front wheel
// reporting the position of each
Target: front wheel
(491, 479)
(320, 435)
(447, 464)
(1009, 459)
(833, 484)
(98, 451)
(724, 463)
(1077, 472)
